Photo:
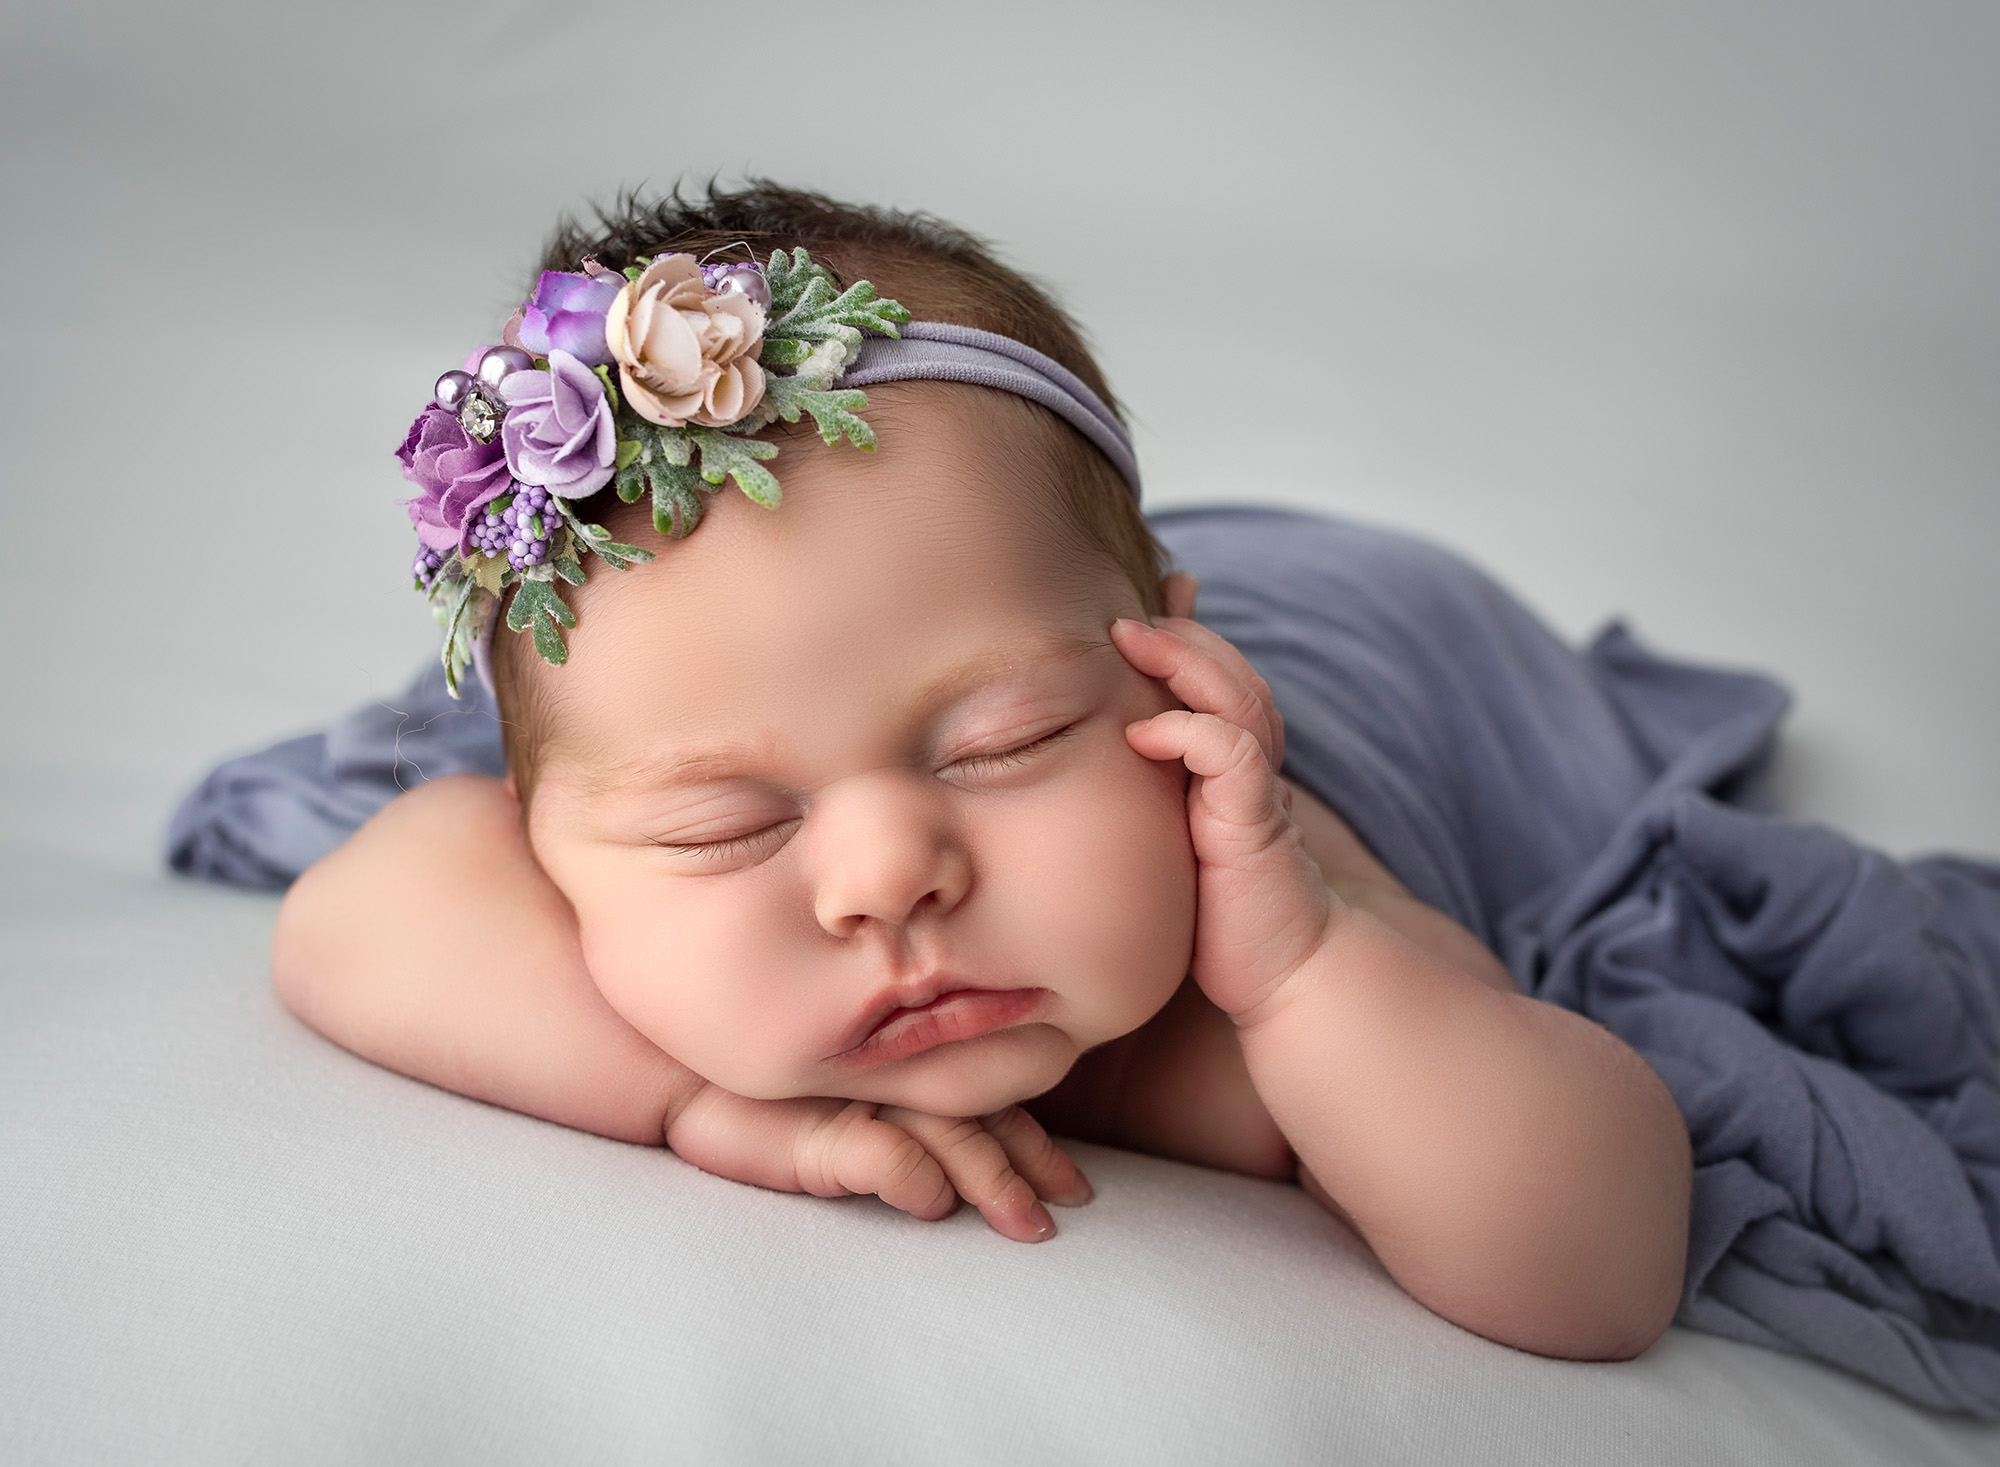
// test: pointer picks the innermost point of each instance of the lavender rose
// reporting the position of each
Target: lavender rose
(458, 477)
(685, 354)
(559, 432)
(567, 314)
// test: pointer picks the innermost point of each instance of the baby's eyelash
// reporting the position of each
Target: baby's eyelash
(717, 850)
(1004, 757)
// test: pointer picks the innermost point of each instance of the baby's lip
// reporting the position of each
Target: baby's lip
(942, 1010)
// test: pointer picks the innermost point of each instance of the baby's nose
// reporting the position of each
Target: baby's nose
(883, 847)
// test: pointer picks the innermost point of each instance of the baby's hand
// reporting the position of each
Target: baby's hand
(1262, 907)
(1003, 1164)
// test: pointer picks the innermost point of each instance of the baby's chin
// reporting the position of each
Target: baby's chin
(972, 1077)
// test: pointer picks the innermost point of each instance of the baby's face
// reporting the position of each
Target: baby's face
(841, 792)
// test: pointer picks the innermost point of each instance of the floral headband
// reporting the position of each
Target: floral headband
(527, 428)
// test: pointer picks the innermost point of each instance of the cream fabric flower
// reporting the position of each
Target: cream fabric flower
(685, 355)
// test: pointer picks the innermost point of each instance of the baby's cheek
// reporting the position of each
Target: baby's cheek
(634, 963)
(695, 977)
(1114, 893)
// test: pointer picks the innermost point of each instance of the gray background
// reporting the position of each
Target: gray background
(1686, 313)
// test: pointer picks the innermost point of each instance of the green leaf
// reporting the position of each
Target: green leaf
(832, 411)
(617, 556)
(673, 445)
(820, 315)
(676, 502)
(860, 307)
(807, 305)
(549, 642)
(789, 275)
(610, 390)
(783, 351)
(568, 569)
(631, 481)
(457, 645)
(628, 453)
(726, 456)
(805, 310)
(539, 604)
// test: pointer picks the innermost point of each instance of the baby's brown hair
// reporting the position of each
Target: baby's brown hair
(941, 273)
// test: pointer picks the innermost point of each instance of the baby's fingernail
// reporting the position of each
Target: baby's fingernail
(1044, 1225)
(1077, 1194)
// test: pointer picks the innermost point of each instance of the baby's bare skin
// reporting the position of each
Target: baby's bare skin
(880, 749)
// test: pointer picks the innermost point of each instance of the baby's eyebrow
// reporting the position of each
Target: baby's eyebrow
(728, 761)
(997, 662)
(702, 767)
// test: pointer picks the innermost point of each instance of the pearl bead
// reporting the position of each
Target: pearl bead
(501, 362)
(451, 389)
(747, 281)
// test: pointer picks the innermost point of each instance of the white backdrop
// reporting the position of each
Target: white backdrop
(1687, 313)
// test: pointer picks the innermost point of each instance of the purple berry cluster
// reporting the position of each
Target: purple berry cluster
(521, 525)
(426, 566)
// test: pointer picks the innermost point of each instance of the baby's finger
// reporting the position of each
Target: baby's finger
(1196, 677)
(857, 1151)
(1238, 789)
(1044, 1165)
(830, 1148)
(978, 1168)
(1231, 657)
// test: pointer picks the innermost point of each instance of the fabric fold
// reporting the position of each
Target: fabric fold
(261, 819)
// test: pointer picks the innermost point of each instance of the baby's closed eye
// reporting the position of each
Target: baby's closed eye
(756, 842)
(1011, 755)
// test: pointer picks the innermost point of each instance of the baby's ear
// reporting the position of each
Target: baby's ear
(1178, 591)
(513, 789)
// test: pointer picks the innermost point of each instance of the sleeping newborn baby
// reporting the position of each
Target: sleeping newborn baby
(862, 841)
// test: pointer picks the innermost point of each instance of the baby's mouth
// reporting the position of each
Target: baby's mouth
(953, 1015)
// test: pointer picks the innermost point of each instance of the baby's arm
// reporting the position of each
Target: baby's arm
(433, 944)
(1516, 1167)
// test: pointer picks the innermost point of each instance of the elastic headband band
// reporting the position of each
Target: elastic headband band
(935, 352)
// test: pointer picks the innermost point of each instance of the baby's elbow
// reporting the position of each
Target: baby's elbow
(1630, 1288)
(304, 946)
(1629, 1303)
(1622, 1334)
(1636, 1297)
(1601, 1294)
(1617, 1323)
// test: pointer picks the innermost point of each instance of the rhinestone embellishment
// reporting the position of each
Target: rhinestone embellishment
(479, 417)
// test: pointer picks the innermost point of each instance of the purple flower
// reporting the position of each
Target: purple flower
(558, 432)
(458, 476)
(567, 314)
